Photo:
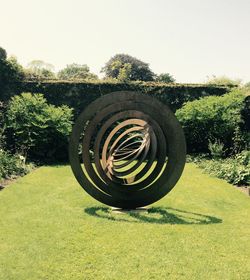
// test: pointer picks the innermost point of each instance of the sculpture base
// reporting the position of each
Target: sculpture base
(127, 211)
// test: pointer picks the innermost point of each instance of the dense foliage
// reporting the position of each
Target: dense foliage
(39, 70)
(42, 74)
(3, 54)
(165, 78)
(214, 118)
(245, 112)
(216, 149)
(12, 165)
(224, 80)
(78, 95)
(11, 74)
(36, 129)
(2, 125)
(235, 170)
(76, 72)
(127, 68)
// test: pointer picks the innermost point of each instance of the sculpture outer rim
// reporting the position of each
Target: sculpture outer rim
(177, 151)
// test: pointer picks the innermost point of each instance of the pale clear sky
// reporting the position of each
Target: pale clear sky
(191, 39)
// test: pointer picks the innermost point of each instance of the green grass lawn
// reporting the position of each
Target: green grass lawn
(51, 229)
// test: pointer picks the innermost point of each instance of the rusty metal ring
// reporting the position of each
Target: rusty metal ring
(138, 149)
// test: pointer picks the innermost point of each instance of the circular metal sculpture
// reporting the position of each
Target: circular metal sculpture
(127, 149)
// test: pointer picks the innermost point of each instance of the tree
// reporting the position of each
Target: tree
(224, 80)
(39, 70)
(11, 74)
(124, 72)
(43, 74)
(125, 67)
(3, 54)
(37, 65)
(76, 71)
(165, 78)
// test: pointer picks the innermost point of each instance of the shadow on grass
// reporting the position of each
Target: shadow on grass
(155, 215)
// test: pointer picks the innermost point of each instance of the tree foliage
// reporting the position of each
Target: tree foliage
(42, 74)
(37, 65)
(223, 80)
(76, 71)
(127, 68)
(3, 54)
(11, 73)
(165, 78)
(39, 70)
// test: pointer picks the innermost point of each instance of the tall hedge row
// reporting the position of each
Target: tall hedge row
(79, 94)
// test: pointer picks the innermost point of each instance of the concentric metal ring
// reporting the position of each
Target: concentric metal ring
(127, 149)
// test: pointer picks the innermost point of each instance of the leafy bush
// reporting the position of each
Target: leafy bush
(11, 165)
(216, 148)
(235, 170)
(213, 117)
(36, 129)
(243, 158)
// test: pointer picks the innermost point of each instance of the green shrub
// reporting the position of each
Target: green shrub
(216, 148)
(243, 158)
(36, 129)
(11, 165)
(213, 117)
(235, 170)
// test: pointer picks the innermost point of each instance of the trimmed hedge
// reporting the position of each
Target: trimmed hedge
(79, 94)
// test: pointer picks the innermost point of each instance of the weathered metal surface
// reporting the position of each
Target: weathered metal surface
(132, 148)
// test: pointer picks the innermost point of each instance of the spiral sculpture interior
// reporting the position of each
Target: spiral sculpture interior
(127, 149)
